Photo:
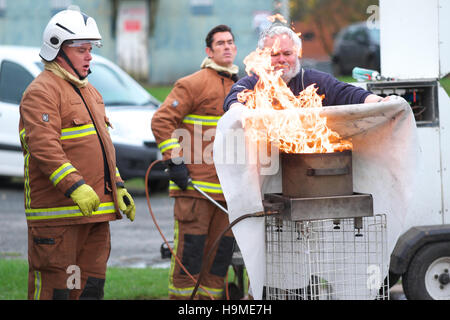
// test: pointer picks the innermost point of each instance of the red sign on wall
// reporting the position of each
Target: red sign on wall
(132, 25)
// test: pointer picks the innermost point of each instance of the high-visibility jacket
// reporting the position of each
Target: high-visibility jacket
(185, 126)
(65, 142)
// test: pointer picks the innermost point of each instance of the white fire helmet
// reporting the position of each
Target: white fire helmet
(70, 24)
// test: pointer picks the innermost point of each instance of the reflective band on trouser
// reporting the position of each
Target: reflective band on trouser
(61, 172)
(168, 144)
(186, 292)
(37, 285)
(65, 212)
(204, 186)
(174, 249)
(77, 132)
(203, 120)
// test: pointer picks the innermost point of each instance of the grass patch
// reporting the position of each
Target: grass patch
(347, 79)
(121, 283)
(136, 284)
(13, 279)
(445, 83)
(135, 184)
(159, 92)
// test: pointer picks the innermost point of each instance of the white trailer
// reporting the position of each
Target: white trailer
(415, 52)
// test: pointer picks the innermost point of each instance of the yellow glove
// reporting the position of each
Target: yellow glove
(86, 199)
(126, 203)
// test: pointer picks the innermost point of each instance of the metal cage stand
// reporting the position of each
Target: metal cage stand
(342, 258)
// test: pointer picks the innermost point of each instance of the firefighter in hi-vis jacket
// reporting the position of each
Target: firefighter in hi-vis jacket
(72, 186)
(192, 110)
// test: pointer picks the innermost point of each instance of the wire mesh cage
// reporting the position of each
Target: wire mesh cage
(328, 259)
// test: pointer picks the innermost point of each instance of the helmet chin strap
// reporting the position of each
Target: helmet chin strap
(66, 58)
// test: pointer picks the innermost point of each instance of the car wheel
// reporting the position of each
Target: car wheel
(427, 276)
(158, 185)
(337, 70)
(372, 63)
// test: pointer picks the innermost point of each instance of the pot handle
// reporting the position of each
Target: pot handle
(327, 172)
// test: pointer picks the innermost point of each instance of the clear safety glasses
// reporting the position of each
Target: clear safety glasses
(79, 43)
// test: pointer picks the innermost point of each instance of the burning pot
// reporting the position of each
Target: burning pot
(308, 175)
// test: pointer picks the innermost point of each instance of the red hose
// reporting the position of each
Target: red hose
(160, 231)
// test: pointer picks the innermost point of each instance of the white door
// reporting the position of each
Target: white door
(132, 38)
(13, 81)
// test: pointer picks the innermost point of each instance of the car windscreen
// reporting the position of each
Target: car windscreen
(14, 79)
(117, 88)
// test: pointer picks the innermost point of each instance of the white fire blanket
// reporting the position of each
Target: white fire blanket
(385, 160)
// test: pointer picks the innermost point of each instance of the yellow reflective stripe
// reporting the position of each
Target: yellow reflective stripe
(65, 212)
(77, 132)
(27, 181)
(117, 172)
(22, 138)
(26, 169)
(61, 172)
(204, 186)
(184, 292)
(168, 144)
(203, 120)
(174, 249)
(37, 285)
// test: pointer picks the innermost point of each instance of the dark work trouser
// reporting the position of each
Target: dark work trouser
(198, 223)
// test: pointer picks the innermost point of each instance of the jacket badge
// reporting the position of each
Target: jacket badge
(45, 117)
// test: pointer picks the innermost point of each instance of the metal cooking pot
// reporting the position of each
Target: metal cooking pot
(308, 175)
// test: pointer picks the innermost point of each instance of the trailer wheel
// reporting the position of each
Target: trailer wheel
(393, 279)
(428, 274)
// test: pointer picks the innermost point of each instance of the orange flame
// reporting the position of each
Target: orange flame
(275, 115)
(277, 16)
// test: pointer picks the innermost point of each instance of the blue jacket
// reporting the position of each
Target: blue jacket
(335, 91)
